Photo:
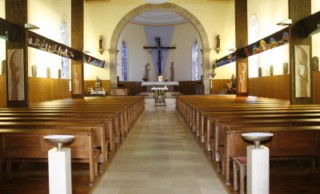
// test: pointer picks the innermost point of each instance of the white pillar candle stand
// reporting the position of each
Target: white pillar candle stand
(59, 160)
(60, 171)
(257, 163)
(257, 170)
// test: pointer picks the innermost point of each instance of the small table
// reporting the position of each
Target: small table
(159, 95)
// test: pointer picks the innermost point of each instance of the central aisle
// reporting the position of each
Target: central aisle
(160, 156)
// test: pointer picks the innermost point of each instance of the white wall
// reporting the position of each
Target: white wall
(135, 38)
(217, 17)
(183, 37)
(47, 15)
(269, 13)
(2, 41)
(315, 38)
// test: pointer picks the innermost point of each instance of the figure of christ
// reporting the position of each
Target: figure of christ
(303, 71)
(76, 79)
(14, 77)
(242, 77)
(159, 49)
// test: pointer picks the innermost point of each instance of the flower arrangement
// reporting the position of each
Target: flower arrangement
(158, 93)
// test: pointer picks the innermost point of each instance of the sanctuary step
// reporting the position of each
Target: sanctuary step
(168, 94)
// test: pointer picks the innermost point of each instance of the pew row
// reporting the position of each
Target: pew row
(287, 141)
(22, 144)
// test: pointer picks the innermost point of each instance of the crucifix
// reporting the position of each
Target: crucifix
(159, 48)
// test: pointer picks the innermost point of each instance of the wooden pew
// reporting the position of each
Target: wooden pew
(214, 119)
(288, 141)
(107, 117)
(24, 144)
(108, 122)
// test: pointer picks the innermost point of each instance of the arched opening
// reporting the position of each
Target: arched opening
(65, 39)
(149, 7)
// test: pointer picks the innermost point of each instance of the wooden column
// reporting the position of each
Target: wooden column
(300, 54)
(17, 57)
(241, 41)
(77, 73)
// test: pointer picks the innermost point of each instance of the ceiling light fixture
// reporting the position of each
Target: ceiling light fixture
(155, 1)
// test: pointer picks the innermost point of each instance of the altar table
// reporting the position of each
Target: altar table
(168, 84)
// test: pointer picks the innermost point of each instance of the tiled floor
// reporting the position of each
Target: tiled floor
(160, 156)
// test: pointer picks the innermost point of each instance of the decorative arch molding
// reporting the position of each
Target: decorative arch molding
(165, 6)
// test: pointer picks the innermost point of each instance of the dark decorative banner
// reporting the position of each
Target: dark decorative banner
(45, 44)
(225, 60)
(274, 40)
(93, 61)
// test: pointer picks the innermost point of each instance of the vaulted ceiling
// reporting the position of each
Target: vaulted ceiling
(159, 17)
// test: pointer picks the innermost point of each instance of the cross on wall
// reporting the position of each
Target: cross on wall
(159, 49)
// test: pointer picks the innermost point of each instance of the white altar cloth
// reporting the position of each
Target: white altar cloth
(171, 83)
(159, 88)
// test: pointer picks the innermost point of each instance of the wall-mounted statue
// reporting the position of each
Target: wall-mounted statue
(260, 72)
(315, 63)
(271, 70)
(3, 67)
(34, 70)
(213, 67)
(285, 68)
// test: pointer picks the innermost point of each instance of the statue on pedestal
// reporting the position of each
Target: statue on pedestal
(98, 83)
(146, 72)
(172, 72)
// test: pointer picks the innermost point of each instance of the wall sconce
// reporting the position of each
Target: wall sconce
(31, 26)
(218, 49)
(286, 22)
(100, 45)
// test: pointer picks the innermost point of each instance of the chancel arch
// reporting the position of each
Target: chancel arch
(114, 50)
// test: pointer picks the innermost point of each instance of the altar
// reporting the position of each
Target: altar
(167, 84)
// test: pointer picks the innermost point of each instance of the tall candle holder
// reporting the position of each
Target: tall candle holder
(257, 137)
(59, 140)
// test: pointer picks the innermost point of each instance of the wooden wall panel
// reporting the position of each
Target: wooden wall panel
(91, 84)
(270, 87)
(187, 87)
(45, 89)
(3, 91)
(218, 86)
(316, 87)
